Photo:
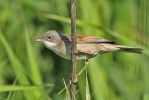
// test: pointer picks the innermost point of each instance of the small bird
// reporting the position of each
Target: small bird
(86, 46)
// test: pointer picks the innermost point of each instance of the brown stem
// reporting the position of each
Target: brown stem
(73, 53)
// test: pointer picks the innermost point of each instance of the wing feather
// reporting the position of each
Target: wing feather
(88, 44)
(89, 39)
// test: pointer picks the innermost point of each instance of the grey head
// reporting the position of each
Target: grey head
(57, 42)
(50, 39)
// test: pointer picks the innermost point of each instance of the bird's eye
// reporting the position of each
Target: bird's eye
(49, 37)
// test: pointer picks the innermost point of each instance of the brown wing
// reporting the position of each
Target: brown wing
(88, 44)
(89, 39)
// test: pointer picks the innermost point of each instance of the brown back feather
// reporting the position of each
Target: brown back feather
(89, 39)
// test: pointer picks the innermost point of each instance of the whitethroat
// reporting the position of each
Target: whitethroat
(86, 46)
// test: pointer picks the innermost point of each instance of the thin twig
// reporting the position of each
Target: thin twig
(73, 79)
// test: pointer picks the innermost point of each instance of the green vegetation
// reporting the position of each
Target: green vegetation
(29, 71)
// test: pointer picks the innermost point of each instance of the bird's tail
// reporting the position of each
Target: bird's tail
(129, 49)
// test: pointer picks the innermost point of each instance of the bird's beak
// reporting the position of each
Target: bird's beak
(38, 40)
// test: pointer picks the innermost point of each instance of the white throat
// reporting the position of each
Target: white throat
(50, 44)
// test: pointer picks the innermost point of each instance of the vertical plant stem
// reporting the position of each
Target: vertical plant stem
(73, 78)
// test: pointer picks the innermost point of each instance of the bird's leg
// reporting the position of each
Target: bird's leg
(86, 65)
(76, 77)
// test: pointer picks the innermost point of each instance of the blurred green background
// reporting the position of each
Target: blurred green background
(29, 71)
